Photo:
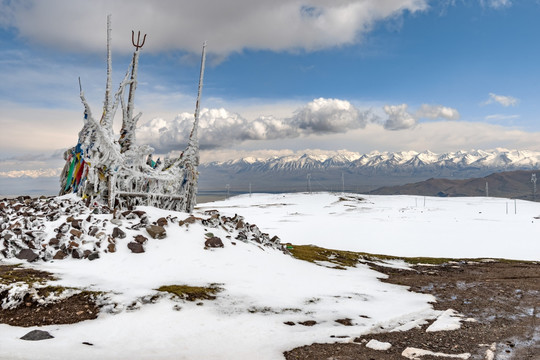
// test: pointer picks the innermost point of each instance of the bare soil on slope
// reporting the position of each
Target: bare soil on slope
(503, 298)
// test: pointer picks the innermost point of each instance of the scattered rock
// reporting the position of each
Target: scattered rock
(93, 230)
(135, 247)
(189, 220)
(162, 221)
(60, 255)
(27, 254)
(213, 242)
(118, 233)
(116, 222)
(76, 224)
(239, 225)
(36, 335)
(141, 239)
(139, 213)
(93, 256)
(290, 323)
(308, 323)
(156, 231)
(111, 247)
(76, 233)
(346, 322)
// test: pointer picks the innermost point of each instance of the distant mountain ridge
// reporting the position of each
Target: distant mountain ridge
(508, 184)
(361, 172)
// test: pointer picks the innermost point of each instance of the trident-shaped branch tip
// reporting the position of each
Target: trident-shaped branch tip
(138, 45)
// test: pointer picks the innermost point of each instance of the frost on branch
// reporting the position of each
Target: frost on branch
(115, 171)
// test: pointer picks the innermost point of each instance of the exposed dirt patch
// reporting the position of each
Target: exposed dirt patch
(503, 298)
(70, 310)
(74, 309)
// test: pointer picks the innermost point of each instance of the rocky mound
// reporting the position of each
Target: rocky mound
(56, 228)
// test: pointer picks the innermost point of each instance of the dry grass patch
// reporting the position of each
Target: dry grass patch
(192, 293)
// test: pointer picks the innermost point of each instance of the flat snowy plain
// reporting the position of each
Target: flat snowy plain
(262, 289)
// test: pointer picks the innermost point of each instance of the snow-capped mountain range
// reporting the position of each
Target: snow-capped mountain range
(494, 159)
(374, 169)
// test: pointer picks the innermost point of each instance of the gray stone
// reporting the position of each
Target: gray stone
(156, 231)
(36, 335)
(118, 233)
(93, 256)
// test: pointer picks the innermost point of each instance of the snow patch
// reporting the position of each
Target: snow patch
(447, 321)
(378, 345)
(415, 354)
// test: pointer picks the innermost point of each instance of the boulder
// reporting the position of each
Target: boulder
(213, 242)
(93, 256)
(162, 221)
(135, 247)
(156, 231)
(36, 335)
(111, 247)
(27, 254)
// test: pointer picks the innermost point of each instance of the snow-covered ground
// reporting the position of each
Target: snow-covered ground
(263, 288)
(411, 226)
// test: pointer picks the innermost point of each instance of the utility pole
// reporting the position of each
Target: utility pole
(487, 189)
(228, 187)
(309, 183)
(342, 183)
(533, 180)
(249, 189)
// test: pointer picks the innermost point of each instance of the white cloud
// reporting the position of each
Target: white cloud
(222, 128)
(324, 116)
(501, 117)
(437, 112)
(496, 4)
(501, 99)
(398, 117)
(229, 26)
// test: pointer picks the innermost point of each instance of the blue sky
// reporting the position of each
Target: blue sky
(282, 76)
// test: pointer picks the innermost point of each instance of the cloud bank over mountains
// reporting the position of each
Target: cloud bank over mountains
(222, 128)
